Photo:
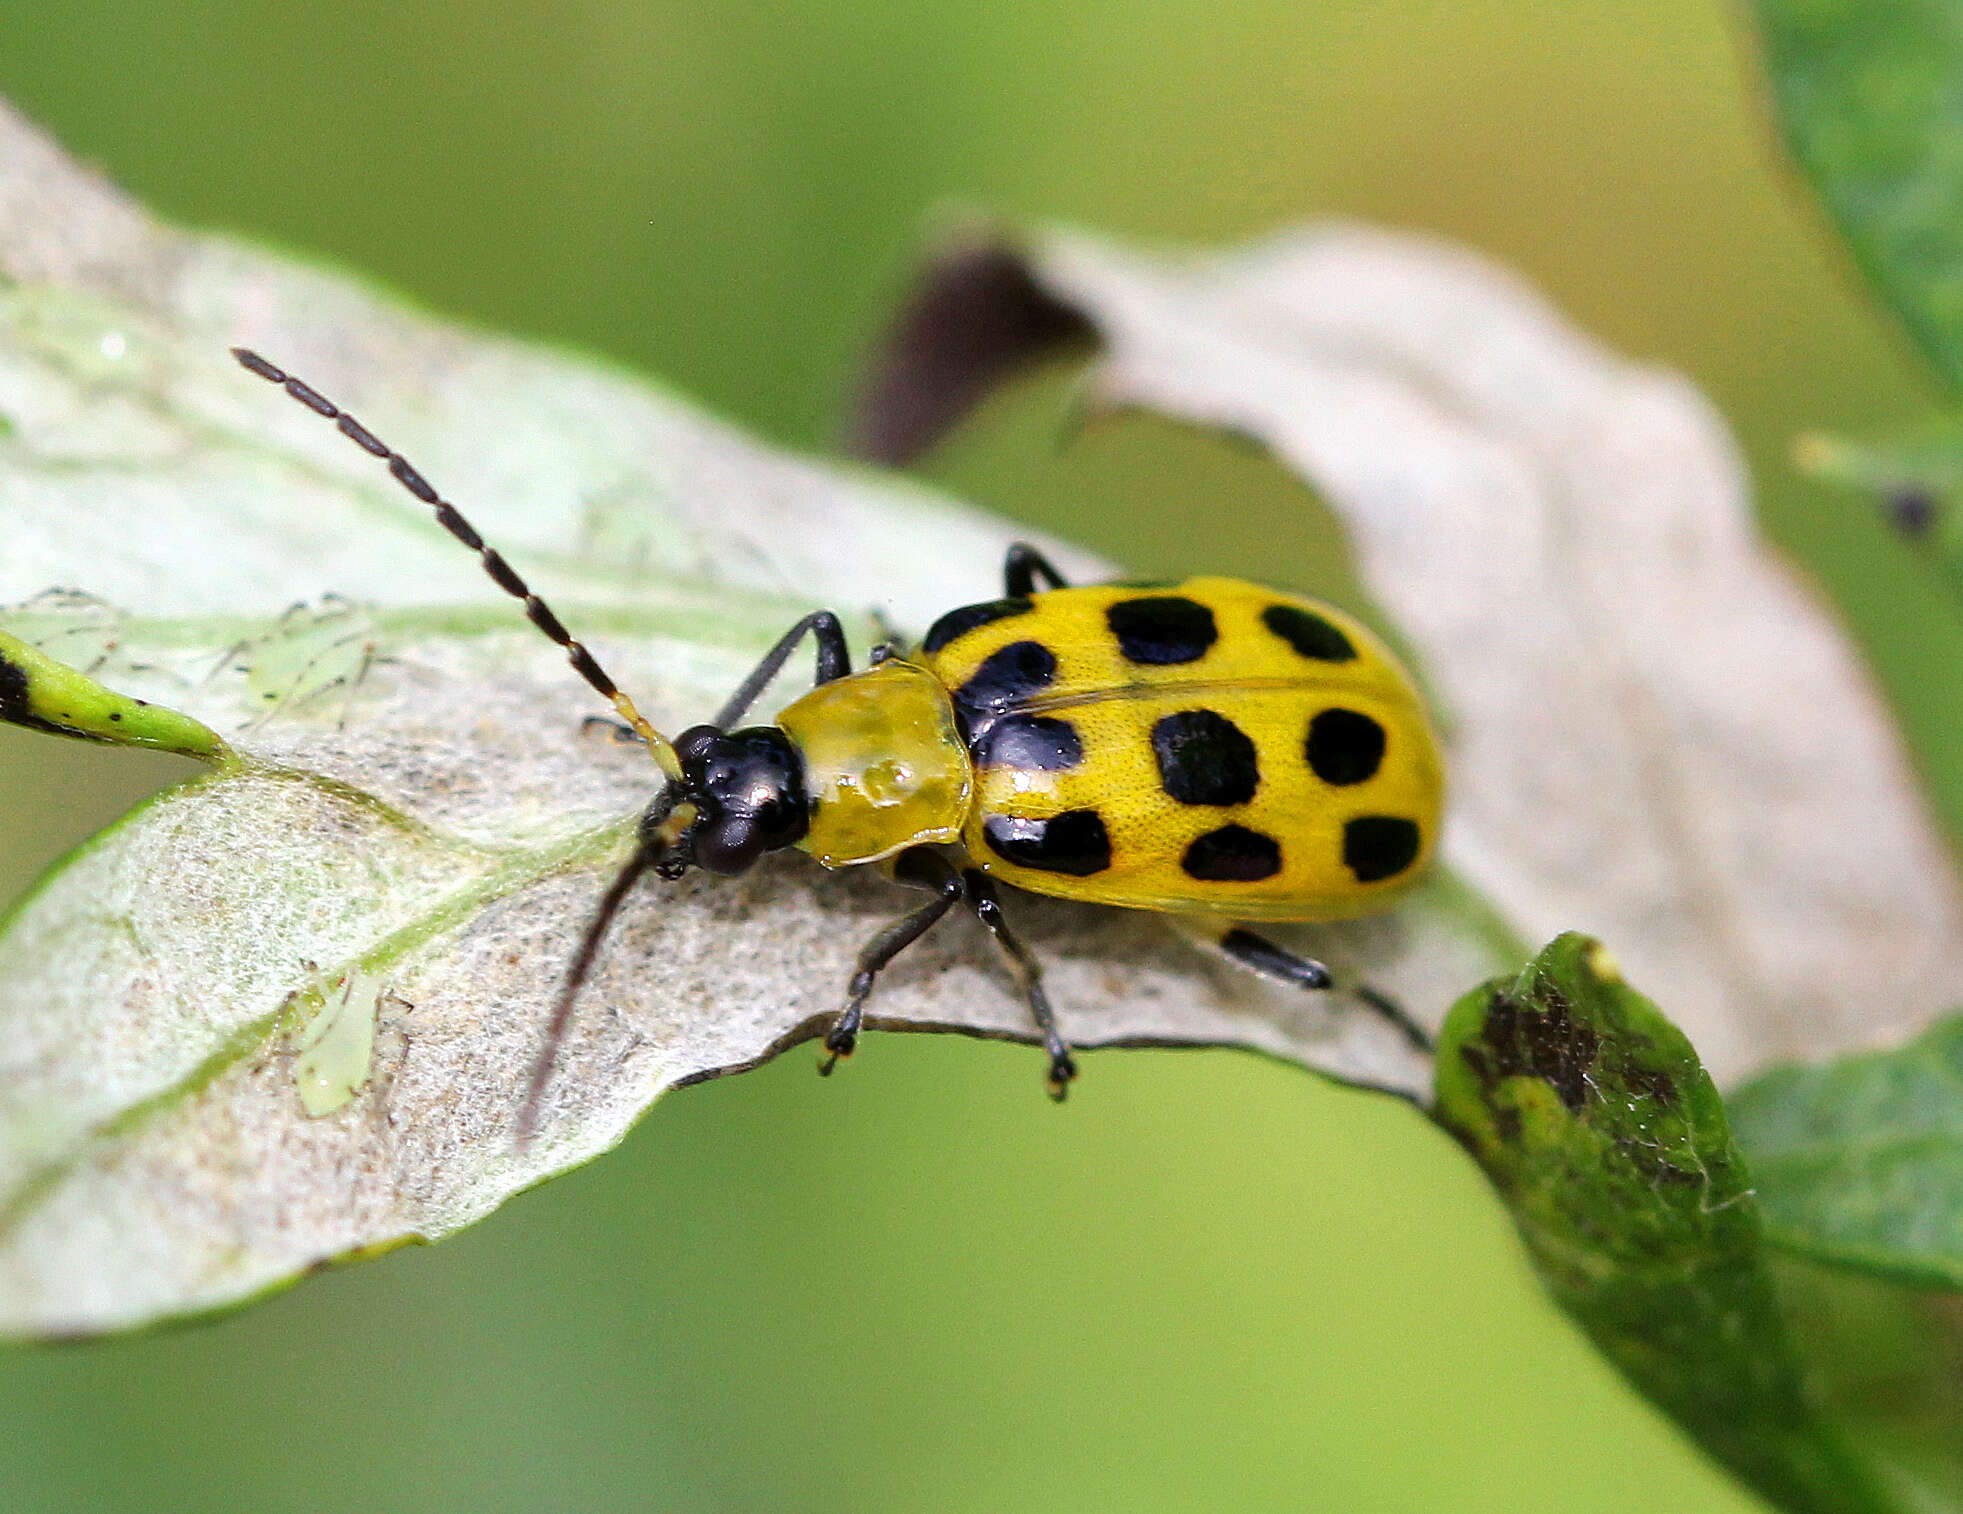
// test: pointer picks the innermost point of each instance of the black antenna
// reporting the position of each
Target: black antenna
(648, 848)
(576, 975)
(452, 520)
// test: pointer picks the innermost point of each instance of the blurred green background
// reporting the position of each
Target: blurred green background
(1209, 1283)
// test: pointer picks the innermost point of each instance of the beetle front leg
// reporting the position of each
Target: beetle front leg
(917, 867)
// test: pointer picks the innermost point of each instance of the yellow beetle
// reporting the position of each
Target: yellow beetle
(1209, 748)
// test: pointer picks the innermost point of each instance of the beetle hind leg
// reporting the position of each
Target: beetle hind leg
(1258, 954)
(1021, 569)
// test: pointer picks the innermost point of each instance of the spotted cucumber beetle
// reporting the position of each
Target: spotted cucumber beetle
(1210, 749)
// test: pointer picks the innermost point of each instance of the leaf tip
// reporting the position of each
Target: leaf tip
(976, 316)
(42, 694)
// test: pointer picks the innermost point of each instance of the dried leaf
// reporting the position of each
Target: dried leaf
(1656, 734)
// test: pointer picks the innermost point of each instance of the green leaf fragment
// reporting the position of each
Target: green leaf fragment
(1885, 1363)
(38, 692)
(1914, 473)
(1867, 98)
(1860, 1161)
(1915, 476)
(1924, 455)
(1592, 1115)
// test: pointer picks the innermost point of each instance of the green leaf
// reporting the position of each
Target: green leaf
(285, 1013)
(1885, 1364)
(1914, 473)
(1593, 1117)
(42, 694)
(1867, 98)
(1859, 1161)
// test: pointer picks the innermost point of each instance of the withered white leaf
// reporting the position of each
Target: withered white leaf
(1657, 735)
(284, 1013)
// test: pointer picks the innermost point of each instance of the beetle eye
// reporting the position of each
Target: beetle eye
(694, 744)
(729, 845)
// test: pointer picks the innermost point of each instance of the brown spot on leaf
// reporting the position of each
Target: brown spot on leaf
(1522, 1041)
(1649, 1083)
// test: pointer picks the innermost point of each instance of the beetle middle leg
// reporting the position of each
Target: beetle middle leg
(1023, 566)
(618, 731)
(1029, 977)
(916, 867)
(1258, 954)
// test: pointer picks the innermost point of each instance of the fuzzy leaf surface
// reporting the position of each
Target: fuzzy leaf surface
(285, 1012)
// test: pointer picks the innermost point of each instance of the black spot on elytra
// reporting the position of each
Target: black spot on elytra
(1074, 842)
(1162, 629)
(1006, 677)
(1308, 633)
(958, 623)
(1232, 854)
(1376, 847)
(1204, 758)
(1520, 1041)
(1036, 743)
(1344, 746)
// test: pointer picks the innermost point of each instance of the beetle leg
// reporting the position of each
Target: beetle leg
(834, 661)
(619, 731)
(916, 867)
(1259, 954)
(1023, 566)
(1029, 977)
(547, 1056)
(888, 635)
